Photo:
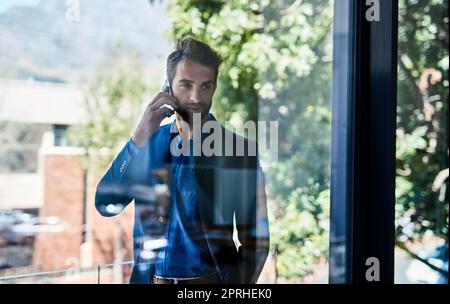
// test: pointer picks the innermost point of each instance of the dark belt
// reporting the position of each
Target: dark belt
(209, 279)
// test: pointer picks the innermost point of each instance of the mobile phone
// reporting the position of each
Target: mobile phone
(167, 89)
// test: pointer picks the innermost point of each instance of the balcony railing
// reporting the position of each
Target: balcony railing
(115, 273)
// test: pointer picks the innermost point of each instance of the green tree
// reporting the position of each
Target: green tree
(114, 100)
(422, 121)
(277, 67)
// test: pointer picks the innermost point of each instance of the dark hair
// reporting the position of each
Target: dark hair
(195, 50)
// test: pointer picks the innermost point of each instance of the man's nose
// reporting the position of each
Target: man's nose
(195, 95)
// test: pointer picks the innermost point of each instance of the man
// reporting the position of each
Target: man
(210, 194)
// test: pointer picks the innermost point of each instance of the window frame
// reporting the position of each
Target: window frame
(363, 142)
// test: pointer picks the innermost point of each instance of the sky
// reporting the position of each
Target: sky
(6, 4)
(38, 41)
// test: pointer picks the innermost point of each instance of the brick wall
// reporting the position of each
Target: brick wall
(64, 198)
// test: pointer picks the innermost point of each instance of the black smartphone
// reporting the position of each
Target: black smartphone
(167, 89)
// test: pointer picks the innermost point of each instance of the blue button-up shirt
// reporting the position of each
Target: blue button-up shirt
(187, 253)
(189, 248)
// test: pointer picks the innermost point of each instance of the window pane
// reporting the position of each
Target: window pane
(294, 81)
(422, 143)
(59, 58)
(81, 75)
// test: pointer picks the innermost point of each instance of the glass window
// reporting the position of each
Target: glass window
(95, 66)
(60, 135)
(422, 143)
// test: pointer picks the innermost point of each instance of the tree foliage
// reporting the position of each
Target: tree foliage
(278, 63)
(422, 121)
(113, 105)
(277, 67)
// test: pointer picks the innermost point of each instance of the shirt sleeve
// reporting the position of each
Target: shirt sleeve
(133, 149)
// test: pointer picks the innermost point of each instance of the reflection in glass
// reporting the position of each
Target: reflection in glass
(422, 143)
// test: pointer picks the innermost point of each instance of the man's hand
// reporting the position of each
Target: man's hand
(155, 112)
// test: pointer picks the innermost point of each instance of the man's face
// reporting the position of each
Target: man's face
(194, 86)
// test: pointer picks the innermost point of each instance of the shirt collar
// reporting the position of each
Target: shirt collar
(174, 129)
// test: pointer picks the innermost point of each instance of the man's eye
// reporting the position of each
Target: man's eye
(185, 85)
(207, 87)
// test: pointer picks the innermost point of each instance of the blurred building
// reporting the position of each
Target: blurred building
(41, 174)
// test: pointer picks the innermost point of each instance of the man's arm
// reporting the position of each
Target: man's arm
(129, 174)
(117, 187)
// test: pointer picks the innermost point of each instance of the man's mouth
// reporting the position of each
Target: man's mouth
(194, 109)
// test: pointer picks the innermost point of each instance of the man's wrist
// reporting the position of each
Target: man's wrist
(137, 143)
(139, 140)
(133, 148)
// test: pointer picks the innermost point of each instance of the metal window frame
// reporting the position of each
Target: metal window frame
(363, 142)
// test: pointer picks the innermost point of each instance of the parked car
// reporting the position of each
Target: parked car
(12, 217)
(25, 232)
